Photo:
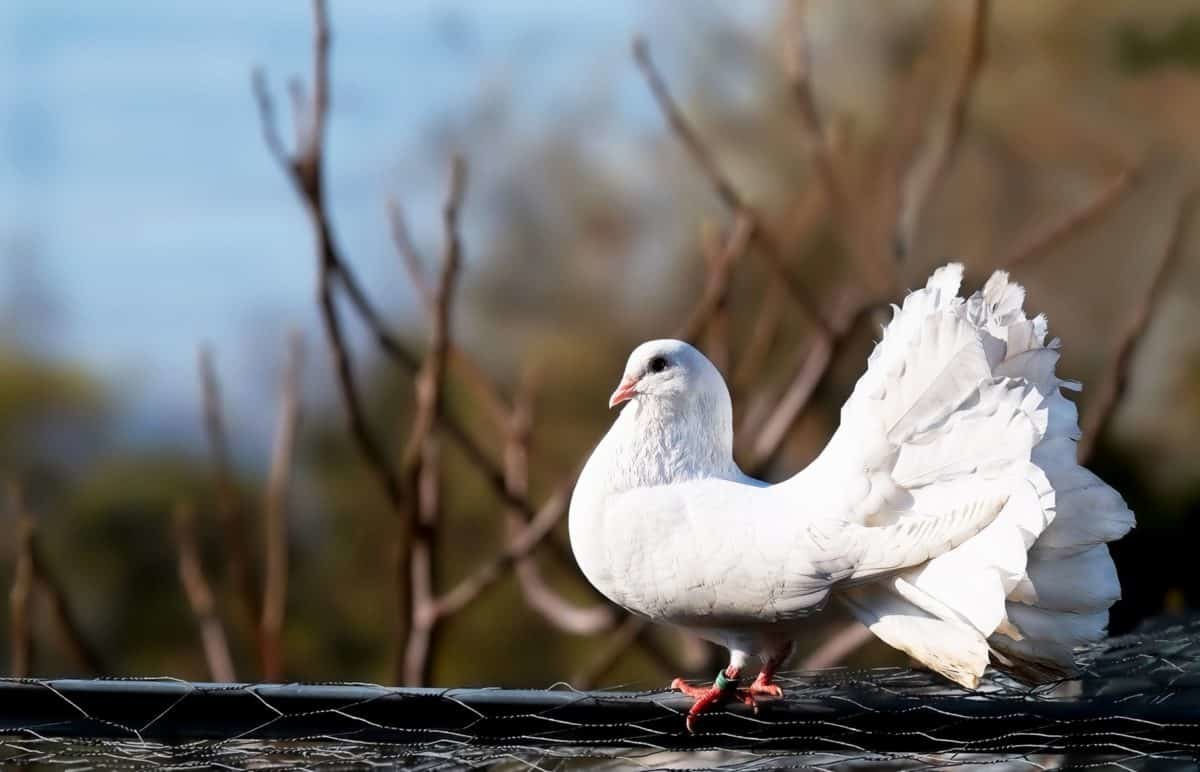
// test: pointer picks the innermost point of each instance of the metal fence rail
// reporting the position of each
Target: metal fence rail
(1138, 700)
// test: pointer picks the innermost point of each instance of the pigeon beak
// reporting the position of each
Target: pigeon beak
(625, 392)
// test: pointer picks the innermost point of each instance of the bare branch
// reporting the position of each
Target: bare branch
(420, 456)
(930, 165)
(200, 598)
(65, 621)
(20, 598)
(716, 289)
(800, 77)
(1048, 237)
(837, 647)
(542, 598)
(762, 336)
(622, 640)
(696, 147)
(490, 572)
(315, 140)
(229, 501)
(724, 188)
(813, 364)
(414, 649)
(431, 380)
(268, 121)
(275, 516)
(1103, 407)
(486, 393)
(306, 173)
(413, 263)
(34, 574)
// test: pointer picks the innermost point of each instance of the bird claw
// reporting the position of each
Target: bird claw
(708, 697)
(762, 688)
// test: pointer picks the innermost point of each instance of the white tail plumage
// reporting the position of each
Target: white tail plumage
(964, 399)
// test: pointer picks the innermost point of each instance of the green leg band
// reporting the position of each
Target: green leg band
(723, 681)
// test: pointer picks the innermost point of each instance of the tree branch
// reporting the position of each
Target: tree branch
(200, 598)
(1048, 237)
(721, 184)
(929, 167)
(488, 573)
(542, 598)
(1103, 408)
(305, 170)
(420, 466)
(410, 256)
(848, 639)
(275, 508)
(716, 289)
(229, 500)
(20, 598)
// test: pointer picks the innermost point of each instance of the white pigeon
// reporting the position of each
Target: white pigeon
(947, 512)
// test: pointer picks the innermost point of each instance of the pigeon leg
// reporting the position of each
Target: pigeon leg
(724, 689)
(764, 685)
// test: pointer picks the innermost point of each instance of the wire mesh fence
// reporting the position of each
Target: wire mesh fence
(1135, 705)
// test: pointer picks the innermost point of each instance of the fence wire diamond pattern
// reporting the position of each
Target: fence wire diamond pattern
(1135, 706)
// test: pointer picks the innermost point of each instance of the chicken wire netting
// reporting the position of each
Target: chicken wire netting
(1136, 705)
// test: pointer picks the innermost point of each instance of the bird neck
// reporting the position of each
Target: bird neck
(659, 442)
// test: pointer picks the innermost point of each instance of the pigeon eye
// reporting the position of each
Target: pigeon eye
(657, 364)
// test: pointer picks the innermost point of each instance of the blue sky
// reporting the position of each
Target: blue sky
(131, 162)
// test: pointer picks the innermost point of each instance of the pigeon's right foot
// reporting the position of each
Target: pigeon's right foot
(722, 691)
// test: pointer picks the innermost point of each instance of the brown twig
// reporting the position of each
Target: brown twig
(420, 467)
(716, 288)
(1048, 237)
(275, 531)
(722, 185)
(1103, 407)
(543, 599)
(491, 571)
(200, 598)
(20, 598)
(622, 640)
(78, 647)
(847, 228)
(485, 392)
(305, 169)
(930, 165)
(305, 173)
(762, 337)
(411, 257)
(811, 368)
(415, 647)
(229, 499)
(32, 575)
(800, 79)
(837, 647)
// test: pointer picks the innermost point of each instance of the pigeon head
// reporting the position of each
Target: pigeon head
(679, 421)
(671, 372)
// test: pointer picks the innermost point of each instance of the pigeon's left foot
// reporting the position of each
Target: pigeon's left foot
(762, 686)
(722, 691)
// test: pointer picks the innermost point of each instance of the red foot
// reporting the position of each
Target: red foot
(762, 686)
(708, 697)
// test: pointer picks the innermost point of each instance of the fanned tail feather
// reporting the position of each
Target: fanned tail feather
(964, 402)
